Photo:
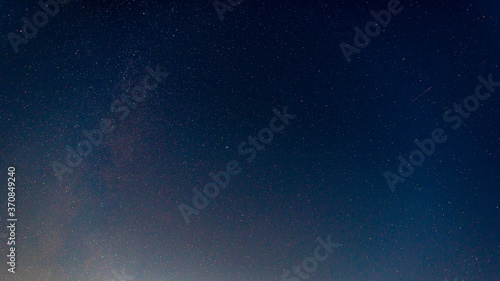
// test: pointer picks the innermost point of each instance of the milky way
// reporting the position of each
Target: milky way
(239, 140)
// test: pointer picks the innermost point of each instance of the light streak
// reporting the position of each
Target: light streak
(421, 94)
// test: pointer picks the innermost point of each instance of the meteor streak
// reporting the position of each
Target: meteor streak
(421, 94)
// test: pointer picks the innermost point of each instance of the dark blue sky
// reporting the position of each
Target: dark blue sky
(215, 87)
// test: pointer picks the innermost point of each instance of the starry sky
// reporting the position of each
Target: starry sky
(244, 143)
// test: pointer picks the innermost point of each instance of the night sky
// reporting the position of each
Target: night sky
(251, 140)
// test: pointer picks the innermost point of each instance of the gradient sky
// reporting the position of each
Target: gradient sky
(321, 176)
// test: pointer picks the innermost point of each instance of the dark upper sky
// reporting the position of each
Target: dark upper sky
(305, 145)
